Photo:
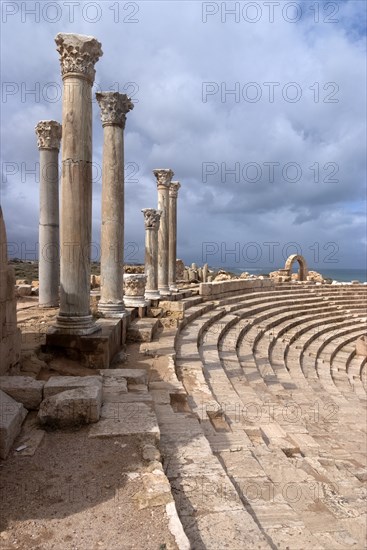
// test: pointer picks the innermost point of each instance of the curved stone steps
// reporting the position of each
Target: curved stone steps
(354, 372)
(363, 373)
(300, 344)
(275, 433)
(319, 376)
(267, 463)
(327, 360)
(253, 331)
(340, 365)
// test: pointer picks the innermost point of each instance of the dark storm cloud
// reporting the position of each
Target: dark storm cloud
(222, 103)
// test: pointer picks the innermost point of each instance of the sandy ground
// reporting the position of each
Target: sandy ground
(75, 493)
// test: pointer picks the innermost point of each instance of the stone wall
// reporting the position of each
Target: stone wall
(210, 291)
(9, 333)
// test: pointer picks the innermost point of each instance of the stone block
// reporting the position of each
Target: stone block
(95, 351)
(12, 415)
(23, 290)
(72, 408)
(142, 330)
(127, 419)
(24, 389)
(132, 376)
(58, 384)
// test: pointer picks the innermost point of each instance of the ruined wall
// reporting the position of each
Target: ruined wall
(9, 333)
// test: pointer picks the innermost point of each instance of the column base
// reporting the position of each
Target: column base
(152, 295)
(164, 291)
(81, 326)
(50, 305)
(135, 301)
(113, 311)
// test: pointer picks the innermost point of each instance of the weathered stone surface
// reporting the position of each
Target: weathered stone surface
(151, 221)
(23, 290)
(127, 419)
(24, 389)
(132, 376)
(361, 346)
(134, 289)
(180, 270)
(9, 332)
(57, 384)
(11, 418)
(48, 140)
(164, 177)
(78, 55)
(72, 408)
(172, 234)
(114, 108)
(142, 330)
(156, 490)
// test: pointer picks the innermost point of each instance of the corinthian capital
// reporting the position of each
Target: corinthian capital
(114, 107)
(151, 218)
(48, 134)
(78, 54)
(164, 177)
(173, 189)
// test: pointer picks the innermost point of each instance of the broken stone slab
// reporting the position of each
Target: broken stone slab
(30, 437)
(156, 490)
(112, 378)
(132, 376)
(24, 389)
(70, 408)
(127, 419)
(12, 415)
(58, 384)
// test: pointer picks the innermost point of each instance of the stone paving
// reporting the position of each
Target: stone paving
(261, 404)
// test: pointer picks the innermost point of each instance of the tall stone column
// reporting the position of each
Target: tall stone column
(48, 140)
(172, 234)
(164, 177)
(151, 220)
(78, 55)
(114, 107)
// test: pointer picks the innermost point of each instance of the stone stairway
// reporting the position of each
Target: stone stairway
(261, 405)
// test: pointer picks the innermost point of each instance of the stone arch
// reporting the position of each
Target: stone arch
(303, 270)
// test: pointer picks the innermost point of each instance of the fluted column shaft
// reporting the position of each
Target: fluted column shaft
(152, 222)
(48, 140)
(78, 54)
(114, 107)
(164, 177)
(172, 237)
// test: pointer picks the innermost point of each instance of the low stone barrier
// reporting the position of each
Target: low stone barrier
(212, 291)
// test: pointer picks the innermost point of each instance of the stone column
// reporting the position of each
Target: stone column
(114, 107)
(48, 140)
(172, 232)
(164, 177)
(78, 55)
(151, 220)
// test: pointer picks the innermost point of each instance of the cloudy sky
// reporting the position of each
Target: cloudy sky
(258, 107)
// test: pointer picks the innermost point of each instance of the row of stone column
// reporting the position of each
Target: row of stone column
(161, 238)
(78, 55)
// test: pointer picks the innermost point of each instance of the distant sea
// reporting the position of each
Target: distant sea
(336, 274)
